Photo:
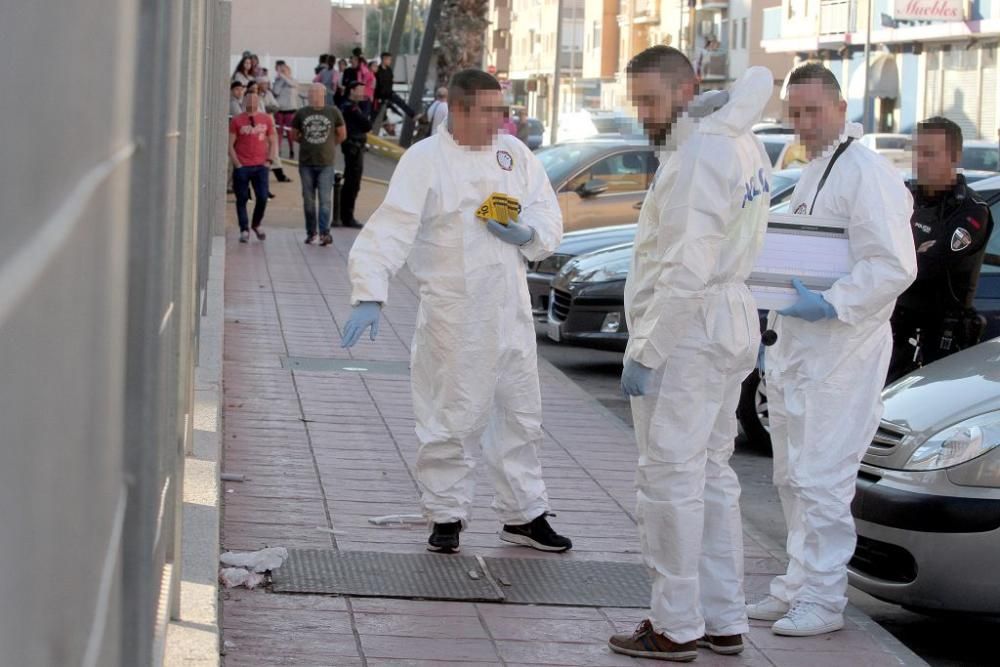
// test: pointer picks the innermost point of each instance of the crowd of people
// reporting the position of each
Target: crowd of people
(338, 108)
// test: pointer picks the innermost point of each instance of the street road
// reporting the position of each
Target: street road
(951, 641)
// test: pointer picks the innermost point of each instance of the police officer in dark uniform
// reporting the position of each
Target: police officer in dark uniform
(951, 226)
(357, 117)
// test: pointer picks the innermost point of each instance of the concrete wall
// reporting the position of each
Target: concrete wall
(346, 24)
(286, 29)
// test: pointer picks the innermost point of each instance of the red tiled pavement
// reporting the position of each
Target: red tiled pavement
(324, 451)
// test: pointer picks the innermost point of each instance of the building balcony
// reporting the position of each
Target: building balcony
(835, 18)
(712, 5)
(646, 11)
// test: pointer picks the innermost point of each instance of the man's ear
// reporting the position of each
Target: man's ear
(842, 105)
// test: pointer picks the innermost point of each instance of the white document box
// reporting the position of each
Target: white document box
(816, 250)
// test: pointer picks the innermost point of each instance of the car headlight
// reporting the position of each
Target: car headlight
(551, 264)
(957, 444)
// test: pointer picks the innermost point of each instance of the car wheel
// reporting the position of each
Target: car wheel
(752, 411)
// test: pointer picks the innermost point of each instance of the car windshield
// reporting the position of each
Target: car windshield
(981, 158)
(893, 143)
(562, 160)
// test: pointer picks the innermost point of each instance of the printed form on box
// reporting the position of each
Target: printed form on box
(813, 249)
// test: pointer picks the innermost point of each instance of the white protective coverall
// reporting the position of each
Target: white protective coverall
(474, 372)
(825, 378)
(692, 319)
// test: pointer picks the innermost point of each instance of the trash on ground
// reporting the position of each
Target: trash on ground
(231, 577)
(258, 561)
(398, 519)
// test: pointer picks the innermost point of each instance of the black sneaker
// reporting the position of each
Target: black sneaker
(311, 239)
(538, 535)
(325, 239)
(444, 538)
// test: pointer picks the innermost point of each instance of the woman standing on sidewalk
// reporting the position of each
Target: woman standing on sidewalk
(244, 71)
(286, 91)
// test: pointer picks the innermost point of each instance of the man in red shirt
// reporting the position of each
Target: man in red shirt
(253, 147)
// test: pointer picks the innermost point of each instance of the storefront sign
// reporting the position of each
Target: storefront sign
(930, 10)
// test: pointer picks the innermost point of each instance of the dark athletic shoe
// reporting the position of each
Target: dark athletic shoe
(325, 239)
(722, 644)
(646, 642)
(538, 535)
(444, 538)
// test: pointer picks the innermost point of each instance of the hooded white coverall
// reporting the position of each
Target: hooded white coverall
(474, 372)
(692, 319)
(825, 378)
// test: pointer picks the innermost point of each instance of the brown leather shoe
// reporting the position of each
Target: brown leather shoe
(648, 643)
(722, 644)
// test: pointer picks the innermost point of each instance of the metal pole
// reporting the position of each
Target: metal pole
(381, 22)
(423, 64)
(556, 75)
(364, 27)
(867, 118)
(692, 20)
(413, 28)
(398, 23)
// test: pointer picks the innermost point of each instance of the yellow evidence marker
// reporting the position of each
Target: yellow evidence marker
(499, 207)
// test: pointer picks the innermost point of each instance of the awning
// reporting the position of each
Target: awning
(884, 78)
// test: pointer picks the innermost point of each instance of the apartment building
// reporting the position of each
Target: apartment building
(722, 38)
(929, 57)
(532, 63)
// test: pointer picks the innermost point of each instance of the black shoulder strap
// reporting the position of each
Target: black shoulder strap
(829, 167)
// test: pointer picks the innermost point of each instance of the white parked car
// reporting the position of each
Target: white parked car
(897, 148)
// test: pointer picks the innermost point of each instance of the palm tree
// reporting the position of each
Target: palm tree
(460, 35)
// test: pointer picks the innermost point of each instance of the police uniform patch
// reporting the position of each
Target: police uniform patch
(961, 239)
(505, 160)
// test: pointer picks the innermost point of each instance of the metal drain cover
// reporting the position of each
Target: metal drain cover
(577, 583)
(321, 365)
(377, 574)
(439, 577)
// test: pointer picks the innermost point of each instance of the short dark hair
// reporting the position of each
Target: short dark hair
(952, 132)
(235, 84)
(661, 59)
(815, 72)
(357, 51)
(385, 54)
(465, 84)
(278, 63)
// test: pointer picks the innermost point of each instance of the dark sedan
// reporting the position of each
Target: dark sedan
(540, 274)
(592, 314)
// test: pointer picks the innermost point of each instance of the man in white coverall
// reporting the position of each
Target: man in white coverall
(826, 371)
(694, 334)
(474, 371)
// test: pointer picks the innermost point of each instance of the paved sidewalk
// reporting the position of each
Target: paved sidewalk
(324, 451)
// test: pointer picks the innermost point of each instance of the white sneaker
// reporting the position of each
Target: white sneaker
(806, 619)
(769, 608)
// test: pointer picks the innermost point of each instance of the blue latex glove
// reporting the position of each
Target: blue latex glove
(635, 378)
(514, 234)
(810, 307)
(365, 314)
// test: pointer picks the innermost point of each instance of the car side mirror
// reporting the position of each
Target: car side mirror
(592, 188)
